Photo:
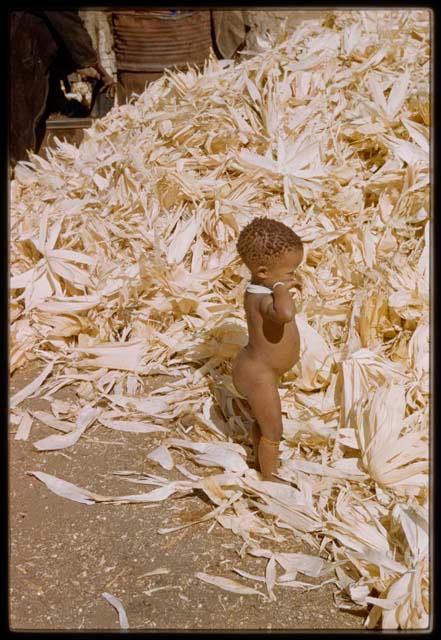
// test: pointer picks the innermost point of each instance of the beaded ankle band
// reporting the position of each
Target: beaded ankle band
(273, 443)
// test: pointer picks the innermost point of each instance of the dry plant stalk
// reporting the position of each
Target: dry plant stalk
(123, 266)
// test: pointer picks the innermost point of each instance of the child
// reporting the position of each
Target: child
(272, 252)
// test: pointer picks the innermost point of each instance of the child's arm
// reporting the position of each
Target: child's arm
(278, 307)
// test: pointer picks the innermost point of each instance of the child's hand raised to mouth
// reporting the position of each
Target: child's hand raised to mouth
(292, 283)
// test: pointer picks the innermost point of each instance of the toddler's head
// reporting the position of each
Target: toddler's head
(270, 250)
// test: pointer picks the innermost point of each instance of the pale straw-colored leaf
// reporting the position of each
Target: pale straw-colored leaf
(118, 605)
(227, 584)
(32, 387)
(24, 427)
(162, 456)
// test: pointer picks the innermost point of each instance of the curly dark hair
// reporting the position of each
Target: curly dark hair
(264, 240)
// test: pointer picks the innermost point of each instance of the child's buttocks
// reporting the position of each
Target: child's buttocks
(249, 370)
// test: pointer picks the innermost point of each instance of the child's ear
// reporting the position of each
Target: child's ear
(262, 271)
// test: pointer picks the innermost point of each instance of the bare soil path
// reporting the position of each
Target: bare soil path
(64, 555)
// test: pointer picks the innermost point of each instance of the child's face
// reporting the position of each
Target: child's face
(283, 269)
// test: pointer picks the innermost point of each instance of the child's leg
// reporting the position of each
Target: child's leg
(255, 437)
(269, 458)
(264, 401)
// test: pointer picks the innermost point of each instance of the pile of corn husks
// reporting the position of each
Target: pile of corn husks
(266, 27)
(123, 266)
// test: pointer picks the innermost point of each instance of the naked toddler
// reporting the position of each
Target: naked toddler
(272, 252)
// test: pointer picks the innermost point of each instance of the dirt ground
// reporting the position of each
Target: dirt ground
(63, 555)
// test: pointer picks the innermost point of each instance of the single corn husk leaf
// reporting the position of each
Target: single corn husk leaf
(118, 605)
(131, 426)
(373, 313)
(288, 581)
(212, 487)
(182, 239)
(391, 107)
(185, 472)
(162, 456)
(418, 132)
(32, 387)
(250, 576)
(415, 525)
(72, 492)
(293, 516)
(64, 489)
(150, 406)
(85, 419)
(312, 566)
(419, 349)
(271, 577)
(71, 304)
(225, 455)
(216, 456)
(227, 584)
(315, 357)
(343, 468)
(48, 419)
(127, 356)
(24, 426)
(407, 151)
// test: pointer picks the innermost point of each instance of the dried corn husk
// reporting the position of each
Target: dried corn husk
(124, 266)
(118, 605)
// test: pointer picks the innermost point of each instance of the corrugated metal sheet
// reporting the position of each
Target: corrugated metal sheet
(151, 40)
